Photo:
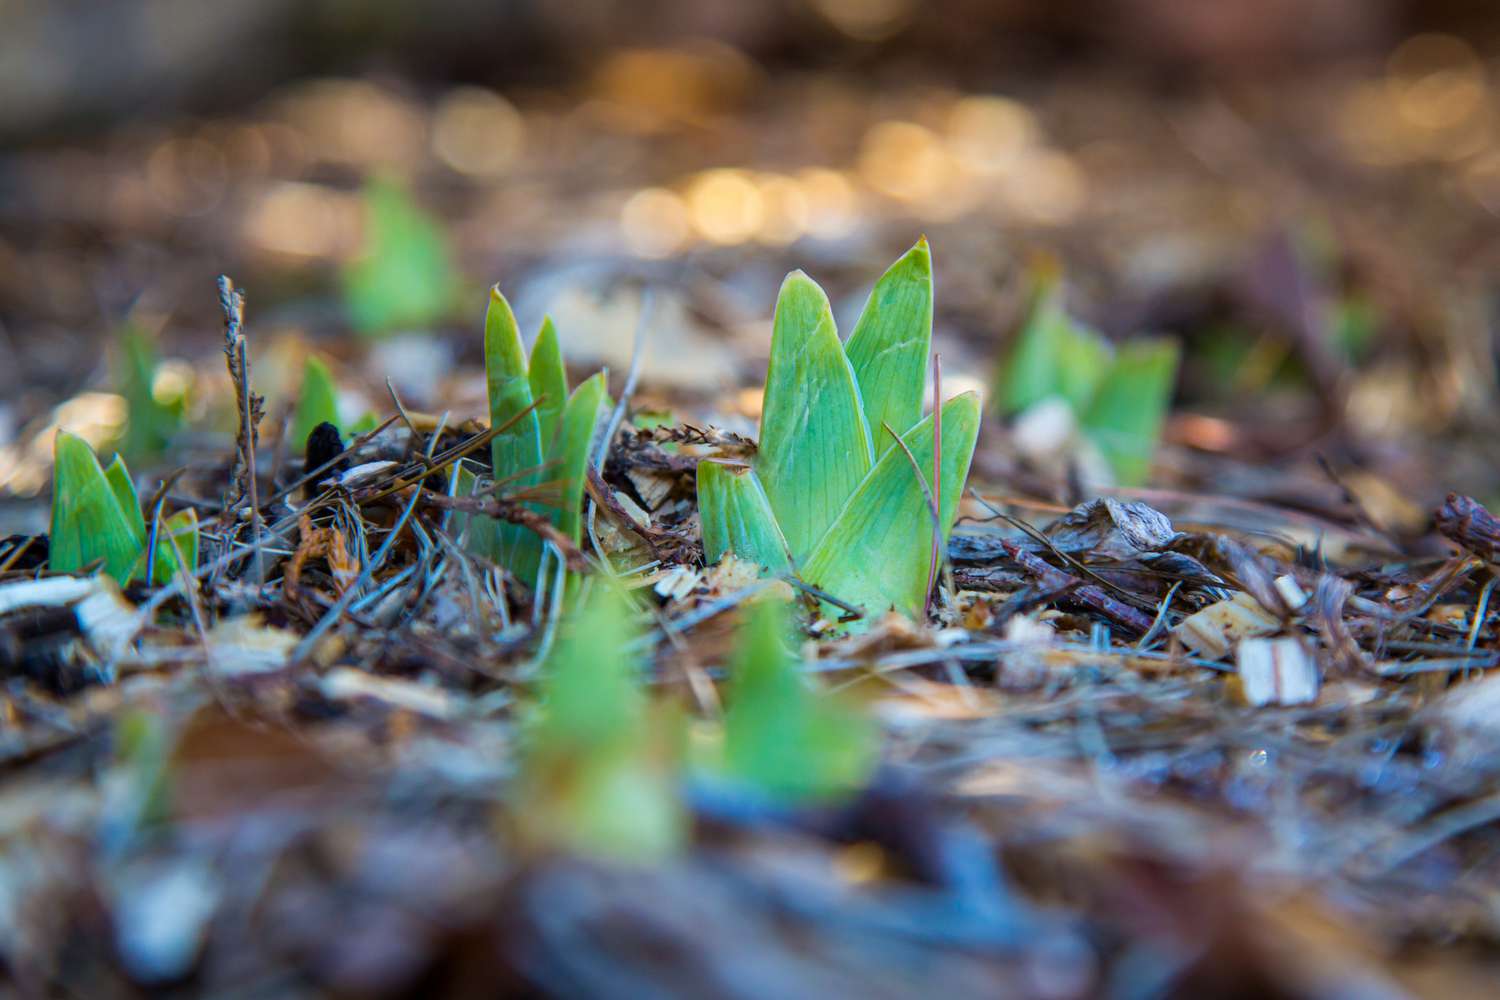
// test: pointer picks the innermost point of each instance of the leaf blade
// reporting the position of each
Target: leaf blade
(516, 452)
(736, 517)
(572, 447)
(815, 444)
(88, 522)
(1126, 414)
(877, 553)
(891, 343)
(549, 381)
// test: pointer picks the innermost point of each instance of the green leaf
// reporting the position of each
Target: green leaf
(571, 450)
(150, 423)
(177, 534)
(592, 779)
(891, 343)
(318, 402)
(737, 517)
(123, 487)
(516, 451)
(814, 442)
(549, 381)
(1125, 416)
(1053, 355)
(404, 278)
(88, 521)
(780, 735)
(877, 554)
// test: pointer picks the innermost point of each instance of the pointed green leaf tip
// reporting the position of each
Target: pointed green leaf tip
(317, 403)
(780, 734)
(891, 344)
(814, 441)
(549, 381)
(737, 517)
(1125, 416)
(592, 778)
(876, 555)
(405, 276)
(88, 521)
(574, 443)
(516, 451)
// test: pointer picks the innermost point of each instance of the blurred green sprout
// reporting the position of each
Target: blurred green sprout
(1119, 396)
(404, 277)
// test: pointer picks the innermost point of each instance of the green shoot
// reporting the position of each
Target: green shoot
(318, 402)
(780, 734)
(549, 381)
(1119, 397)
(890, 345)
(516, 451)
(150, 423)
(737, 517)
(817, 499)
(96, 516)
(549, 435)
(814, 441)
(1125, 416)
(568, 457)
(404, 278)
(876, 554)
(89, 523)
(595, 778)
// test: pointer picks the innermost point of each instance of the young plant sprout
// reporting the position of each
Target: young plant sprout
(840, 491)
(597, 777)
(1118, 397)
(546, 438)
(404, 277)
(317, 403)
(781, 735)
(151, 420)
(96, 519)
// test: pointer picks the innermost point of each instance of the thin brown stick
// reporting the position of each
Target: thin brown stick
(1058, 580)
(248, 406)
(515, 513)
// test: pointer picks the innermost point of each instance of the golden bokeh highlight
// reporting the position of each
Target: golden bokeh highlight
(726, 206)
(477, 132)
(655, 223)
(905, 161)
(867, 20)
(989, 134)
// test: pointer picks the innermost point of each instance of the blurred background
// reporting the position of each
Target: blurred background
(1305, 192)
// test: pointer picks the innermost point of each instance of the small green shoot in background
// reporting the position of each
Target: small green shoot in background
(153, 418)
(781, 735)
(96, 518)
(597, 777)
(1119, 397)
(548, 436)
(832, 493)
(404, 277)
(317, 403)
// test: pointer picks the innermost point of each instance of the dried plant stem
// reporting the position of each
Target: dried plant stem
(937, 479)
(1057, 581)
(249, 407)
